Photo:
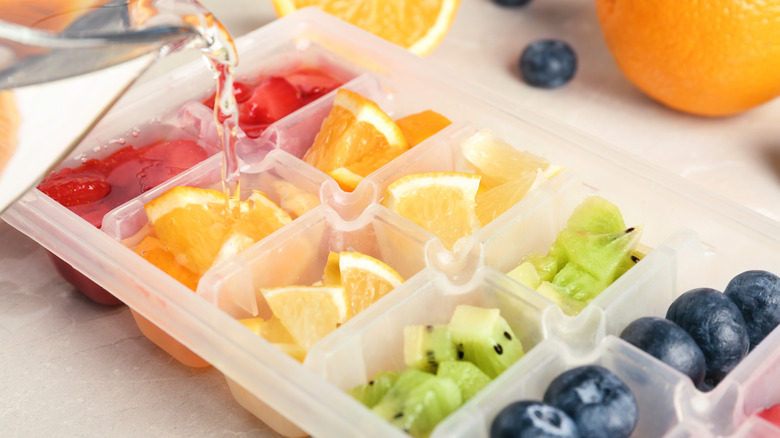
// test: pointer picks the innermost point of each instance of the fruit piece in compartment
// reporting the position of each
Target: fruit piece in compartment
(706, 333)
(195, 229)
(266, 99)
(771, 415)
(584, 401)
(669, 343)
(586, 257)
(94, 188)
(447, 364)
(455, 204)
(351, 281)
(98, 185)
(357, 137)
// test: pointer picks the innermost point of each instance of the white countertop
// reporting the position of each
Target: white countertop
(70, 367)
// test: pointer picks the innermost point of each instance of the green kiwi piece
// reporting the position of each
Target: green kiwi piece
(595, 260)
(484, 338)
(597, 215)
(469, 378)
(371, 392)
(418, 401)
(425, 346)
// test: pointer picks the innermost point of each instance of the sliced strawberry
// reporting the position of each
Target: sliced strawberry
(76, 190)
(273, 99)
(313, 83)
(167, 159)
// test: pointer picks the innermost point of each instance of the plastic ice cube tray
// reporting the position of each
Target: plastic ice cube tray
(697, 239)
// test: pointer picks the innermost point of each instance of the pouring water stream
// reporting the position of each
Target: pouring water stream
(57, 80)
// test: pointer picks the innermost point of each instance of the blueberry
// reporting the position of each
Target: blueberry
(757, 295)
(597, 400)
(548, 63)
(669, 343)
(511, 2)
(532, 419)
(717, 325)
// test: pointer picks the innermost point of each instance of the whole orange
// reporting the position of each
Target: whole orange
(713, 57)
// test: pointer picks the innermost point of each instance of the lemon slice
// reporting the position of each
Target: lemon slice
(498, 162)
(308, 312)
(494, 202)
(441, 202)
(294, 199)
(418, 26)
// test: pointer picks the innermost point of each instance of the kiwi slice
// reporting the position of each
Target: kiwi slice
(425, 346)
(469, 378)
(372, 391)
(595, 260)
(597, 215)
(484, 338)
(418, 401)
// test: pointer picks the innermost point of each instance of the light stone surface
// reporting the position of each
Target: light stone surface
(70, 367)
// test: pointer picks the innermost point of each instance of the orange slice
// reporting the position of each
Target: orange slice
(419, 26)
(155, 253)
(191, 223)
(418, 127)
(259, 217)
(307, 312)
(355, 130)
(365, 279)
(441, 202)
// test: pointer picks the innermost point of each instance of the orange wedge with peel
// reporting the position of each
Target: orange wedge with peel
(419, 126)
(441, 202)
(155, 253)
(194, 224)
(365, 279)
(418, 26)
(355, 131)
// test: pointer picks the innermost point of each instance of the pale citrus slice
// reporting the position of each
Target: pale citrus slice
(294, 199)
(259, 217)
(441, 202)
(418, 127)
(332, 274)
(365, 279)
(274, 332)
(355, 130)
(494, 202)
(308, 312)
(191, 223)
(498, 162)
(416, 25)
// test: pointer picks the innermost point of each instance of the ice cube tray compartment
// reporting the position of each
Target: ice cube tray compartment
(697, 239)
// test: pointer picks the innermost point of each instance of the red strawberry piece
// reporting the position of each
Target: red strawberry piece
(242, 91)
(313, 83)
(772, 415)
(76, 190)
(167, 159)
(121, 156)
(272, 100)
